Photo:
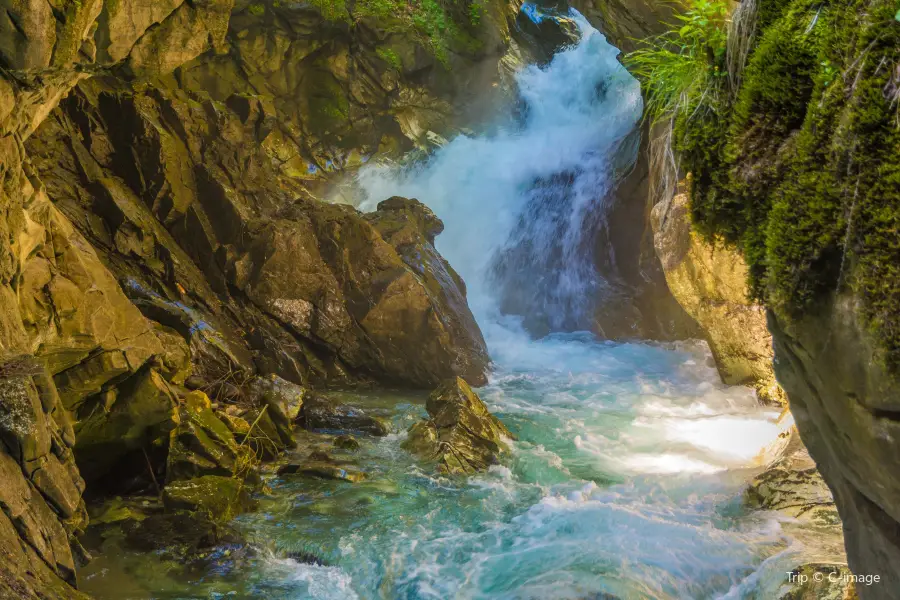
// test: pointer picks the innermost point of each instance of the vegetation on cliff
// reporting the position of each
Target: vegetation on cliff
(441, 27)
(796, 164)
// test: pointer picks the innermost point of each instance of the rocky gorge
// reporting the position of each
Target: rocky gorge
(194, 317)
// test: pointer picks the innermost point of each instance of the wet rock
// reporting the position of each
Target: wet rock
(145, 525)
(460, 434)
(202, 444)
(322, 414)
(322, 469)
(284, 399)
(710, 283)
(126, 420)
(819, 582)
(546, 27)
(219, 498)
(346, 442)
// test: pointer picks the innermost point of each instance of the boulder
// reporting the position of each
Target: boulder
(395, 318)
(202, 444)
(460, 434)
(284, 399)
(323, 469)
(410, 228)
(125, 420)
(346, 442)
(268, 437)
(323, 414)
(219, 498)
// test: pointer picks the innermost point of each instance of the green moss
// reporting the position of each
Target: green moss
(806, 180)
(390, 57)
(439, 26)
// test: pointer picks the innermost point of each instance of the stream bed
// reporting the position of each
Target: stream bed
(626, 479)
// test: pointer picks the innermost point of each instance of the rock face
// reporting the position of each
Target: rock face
(161, 247)
(460, 434)
(801, 176)
(844, 402)
(41, 508)
(711, 284)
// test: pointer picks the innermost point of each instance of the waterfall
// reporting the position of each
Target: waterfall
(522, 206)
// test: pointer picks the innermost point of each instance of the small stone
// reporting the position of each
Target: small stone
(346, 442)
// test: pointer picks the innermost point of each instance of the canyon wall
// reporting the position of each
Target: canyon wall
(794, 177)
(163, 251)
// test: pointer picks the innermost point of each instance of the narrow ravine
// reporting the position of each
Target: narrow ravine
(628, 473)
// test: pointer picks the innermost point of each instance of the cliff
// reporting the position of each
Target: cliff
(164, 257)
(793, 156)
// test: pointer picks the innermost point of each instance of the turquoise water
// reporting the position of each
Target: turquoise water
(626, 479)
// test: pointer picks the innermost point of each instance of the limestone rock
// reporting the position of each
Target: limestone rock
(460, 434)
(711, 284)
(845, 410)
(40, 487)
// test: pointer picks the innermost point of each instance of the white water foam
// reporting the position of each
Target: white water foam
(532, 188)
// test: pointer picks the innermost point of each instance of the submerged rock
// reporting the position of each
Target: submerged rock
(323, 469)
(461, 435)
(323, 414)
(346, 442)
(181, 532)
(219, 498)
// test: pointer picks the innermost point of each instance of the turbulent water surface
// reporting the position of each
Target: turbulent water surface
(628, 474)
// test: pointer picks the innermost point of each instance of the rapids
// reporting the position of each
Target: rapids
(628, 474)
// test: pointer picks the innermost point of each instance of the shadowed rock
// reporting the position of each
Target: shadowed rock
(323, 414)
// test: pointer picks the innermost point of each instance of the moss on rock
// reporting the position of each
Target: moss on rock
(219, 498)
(807, 179)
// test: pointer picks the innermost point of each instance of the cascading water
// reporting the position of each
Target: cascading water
(521, 206)
(627, 476)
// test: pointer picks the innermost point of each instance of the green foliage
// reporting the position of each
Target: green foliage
(390, 57)
(441, 26)
(805, 179)
(257, 9)
(332, 10)
(685, 62)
